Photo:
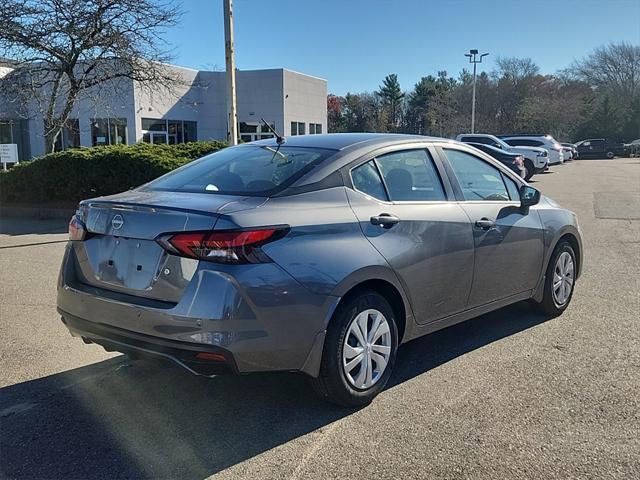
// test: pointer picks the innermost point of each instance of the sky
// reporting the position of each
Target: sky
(354, 44)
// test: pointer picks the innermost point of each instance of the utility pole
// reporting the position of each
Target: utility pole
(229, 53)
(472, 59)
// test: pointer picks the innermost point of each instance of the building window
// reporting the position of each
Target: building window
(108, 131)
(315, 128)
(69, 136)
(16, 131)
(297, 128)
(250, 132)
(168, 131)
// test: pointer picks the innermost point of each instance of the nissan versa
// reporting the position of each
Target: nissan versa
(319, 254)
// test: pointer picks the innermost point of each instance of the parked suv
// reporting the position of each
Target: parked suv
(599, 148)
(535, 159)
(318, 254)
(556, 154)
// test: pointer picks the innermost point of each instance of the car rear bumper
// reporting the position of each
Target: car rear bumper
(259, 319)
(184, 354)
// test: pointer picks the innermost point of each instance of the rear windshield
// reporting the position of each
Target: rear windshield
(244, 170)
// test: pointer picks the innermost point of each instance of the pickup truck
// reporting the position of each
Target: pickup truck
(599, 148)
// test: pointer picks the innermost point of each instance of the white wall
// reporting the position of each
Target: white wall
(305, 100)
(181, 102)
(277, 95)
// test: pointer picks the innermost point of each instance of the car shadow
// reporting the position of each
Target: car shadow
(115, 419)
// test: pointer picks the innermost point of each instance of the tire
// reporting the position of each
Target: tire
(610, 154)
(334, 383)
(554, 303)
(531, 170)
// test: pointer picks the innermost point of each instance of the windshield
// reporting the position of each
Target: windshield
(244, 170)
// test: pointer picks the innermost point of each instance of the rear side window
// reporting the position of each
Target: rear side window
(246, 170)
(366, 179)
(478, 180)
(410, 175)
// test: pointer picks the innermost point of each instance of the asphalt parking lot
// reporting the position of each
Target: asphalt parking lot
(507, 395)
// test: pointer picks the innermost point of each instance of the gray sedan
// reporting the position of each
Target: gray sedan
(318, 254)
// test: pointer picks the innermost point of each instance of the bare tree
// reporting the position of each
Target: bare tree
(613, 67)
(64, 49)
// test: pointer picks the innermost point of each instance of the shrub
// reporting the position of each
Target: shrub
(73, 175)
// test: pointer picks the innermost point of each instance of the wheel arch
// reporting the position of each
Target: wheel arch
(385, 282)
(390, 293)
(575, 245)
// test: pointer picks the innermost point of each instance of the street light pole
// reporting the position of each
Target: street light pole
(229, 51)
(473, 59)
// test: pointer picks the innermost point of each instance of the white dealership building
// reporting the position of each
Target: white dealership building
(195, 109)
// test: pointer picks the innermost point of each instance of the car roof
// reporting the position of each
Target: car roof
(492, 148)
(341, 141)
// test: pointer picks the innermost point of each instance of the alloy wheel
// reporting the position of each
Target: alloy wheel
(366, 349)
(563, 278)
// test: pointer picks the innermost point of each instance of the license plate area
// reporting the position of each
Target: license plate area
(124, 262)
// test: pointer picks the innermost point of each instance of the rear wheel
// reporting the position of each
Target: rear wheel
(359, 351)
(559, 280)
(528, 164)
(610, 154)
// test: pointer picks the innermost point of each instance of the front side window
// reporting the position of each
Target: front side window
(245, 170)
(367, 180)
(478, 179)
(512, 187)
(410, 175)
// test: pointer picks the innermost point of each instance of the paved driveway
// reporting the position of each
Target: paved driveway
(507, 395)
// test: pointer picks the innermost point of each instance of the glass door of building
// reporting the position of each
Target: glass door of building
(155, 137)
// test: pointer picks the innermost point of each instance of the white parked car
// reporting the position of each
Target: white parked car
(556, 154)
(535, 159)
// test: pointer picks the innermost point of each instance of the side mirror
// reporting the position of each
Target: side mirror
(529, 196)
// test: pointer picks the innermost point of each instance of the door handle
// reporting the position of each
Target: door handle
(384, 220)
(485, 224)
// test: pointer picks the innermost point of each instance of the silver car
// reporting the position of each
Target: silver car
(318, 254)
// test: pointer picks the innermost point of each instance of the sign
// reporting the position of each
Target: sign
(8, 153)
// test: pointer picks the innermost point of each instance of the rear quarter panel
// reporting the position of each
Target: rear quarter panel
(325, 249)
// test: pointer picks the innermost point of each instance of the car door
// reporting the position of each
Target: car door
(598, 148)
(508, 240)
(405, 211)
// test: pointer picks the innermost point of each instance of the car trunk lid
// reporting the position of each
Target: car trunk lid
(120, 252)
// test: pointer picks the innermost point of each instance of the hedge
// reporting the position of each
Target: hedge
(73, 175)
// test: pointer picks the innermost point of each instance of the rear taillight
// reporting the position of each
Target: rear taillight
(77, 230)
(237, 246)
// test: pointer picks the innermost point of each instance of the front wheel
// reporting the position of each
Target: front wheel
(560, 279)
(359, 351)
(610, 154)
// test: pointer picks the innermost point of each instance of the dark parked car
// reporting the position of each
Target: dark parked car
(599, 148)
(318, 254)
(514, 161)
